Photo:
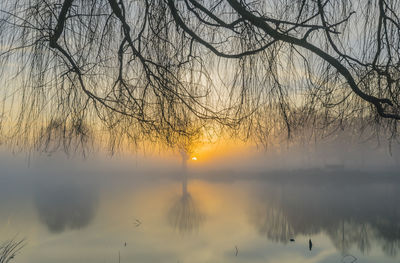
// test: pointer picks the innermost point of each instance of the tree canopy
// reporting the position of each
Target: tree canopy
(165, 68)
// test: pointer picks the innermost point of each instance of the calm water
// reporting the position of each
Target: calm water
(85, 211)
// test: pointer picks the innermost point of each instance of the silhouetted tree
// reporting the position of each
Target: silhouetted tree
(141, 66)
(185, 215)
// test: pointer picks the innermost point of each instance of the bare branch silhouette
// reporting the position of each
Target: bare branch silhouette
(142, 68)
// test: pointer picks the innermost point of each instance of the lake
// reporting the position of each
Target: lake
(128, 210)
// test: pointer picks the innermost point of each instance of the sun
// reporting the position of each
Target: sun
(194, 158)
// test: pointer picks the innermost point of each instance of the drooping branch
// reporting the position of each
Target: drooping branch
(182, 24)
(155, 66)
(260, 23)
(62, 17)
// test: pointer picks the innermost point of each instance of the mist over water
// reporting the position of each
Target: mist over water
(72, 209)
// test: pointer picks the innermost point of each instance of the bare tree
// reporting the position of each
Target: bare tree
(142, 67)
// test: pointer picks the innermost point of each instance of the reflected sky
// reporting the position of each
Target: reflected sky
(86, 210)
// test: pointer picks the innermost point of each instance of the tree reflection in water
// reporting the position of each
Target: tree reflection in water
(185, 216)
(273, 224)
(66, 206)
(352, 214)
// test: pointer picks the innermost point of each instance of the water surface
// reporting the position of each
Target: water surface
(102, 210)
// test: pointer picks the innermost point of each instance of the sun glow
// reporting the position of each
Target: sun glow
(194, 158)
